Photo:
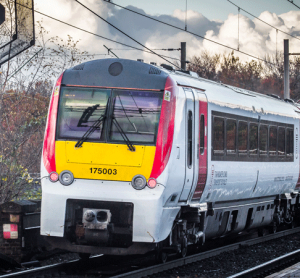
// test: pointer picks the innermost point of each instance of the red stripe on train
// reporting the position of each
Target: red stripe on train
(165, 130)
(297, 142)
(202, 176)
(49, 140)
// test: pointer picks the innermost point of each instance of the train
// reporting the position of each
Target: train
(139, 158)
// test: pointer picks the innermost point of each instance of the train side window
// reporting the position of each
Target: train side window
(263, 140)
(272, 140)
(231, 136)
(190, 140)
(289, 141)
(281, 141)
(242, 137)
(202, 134)
(253, 139)
(218, 143)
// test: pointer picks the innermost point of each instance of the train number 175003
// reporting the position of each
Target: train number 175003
(103, 171)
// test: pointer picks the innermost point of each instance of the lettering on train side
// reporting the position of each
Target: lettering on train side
(220, 182)
(221, 174)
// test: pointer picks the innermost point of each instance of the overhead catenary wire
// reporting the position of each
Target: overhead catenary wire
(263, 20)
(118, 29)
(94, 34)
(114, 41)
(136, 48)
(292, 2)
(189, 32)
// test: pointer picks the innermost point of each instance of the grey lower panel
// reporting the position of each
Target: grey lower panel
(236, 216)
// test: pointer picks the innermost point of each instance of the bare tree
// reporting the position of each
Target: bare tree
(26, 85)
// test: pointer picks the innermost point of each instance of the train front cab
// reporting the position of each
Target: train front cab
(108, 197)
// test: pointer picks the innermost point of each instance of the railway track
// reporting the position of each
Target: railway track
(270, 267)
(201, 256)
(64, 267)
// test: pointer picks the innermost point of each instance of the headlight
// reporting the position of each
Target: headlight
(89, 215)
(138, 182)
(66, 177)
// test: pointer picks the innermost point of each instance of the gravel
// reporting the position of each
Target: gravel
(232, 262)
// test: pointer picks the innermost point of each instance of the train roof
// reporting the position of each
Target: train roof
(134, 74)
(237, 98)
(116, 73)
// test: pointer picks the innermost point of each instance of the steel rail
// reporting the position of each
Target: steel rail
(40, 270)
(156, 268)
(201, 256)
(268, 266)
(45, 269)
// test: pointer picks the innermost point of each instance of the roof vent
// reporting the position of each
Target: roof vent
(289, 100)
(194, 74)
(115, 69)
(153, 63)
(154, 71)
(167, 67)
(140, 60)
(274, 96)
(79, 67)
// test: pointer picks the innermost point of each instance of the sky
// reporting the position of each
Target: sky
(216, 20)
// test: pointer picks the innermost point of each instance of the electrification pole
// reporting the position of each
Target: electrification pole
(286, 93)
(287, 68)
(183, 56)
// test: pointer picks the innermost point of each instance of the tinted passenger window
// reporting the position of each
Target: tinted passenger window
(202, 134)
(289, 142)
(272, 140)
(243, 137)
(253, 139)
(263, 139)
(281, 141)
(218, 143)
(231, 136)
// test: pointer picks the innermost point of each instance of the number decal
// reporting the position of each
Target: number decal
(103, 171)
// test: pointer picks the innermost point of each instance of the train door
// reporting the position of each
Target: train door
(202, 148)
(189, 144)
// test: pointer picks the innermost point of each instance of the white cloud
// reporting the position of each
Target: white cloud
(255, 37)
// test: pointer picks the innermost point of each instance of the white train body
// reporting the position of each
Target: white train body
(203, 179)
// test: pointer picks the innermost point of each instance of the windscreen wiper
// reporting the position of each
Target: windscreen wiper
(123, 134)
(95, 126)
(87, 113)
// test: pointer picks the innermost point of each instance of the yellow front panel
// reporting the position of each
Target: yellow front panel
(104, 161)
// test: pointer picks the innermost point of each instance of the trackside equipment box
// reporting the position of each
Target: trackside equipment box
(20, 229)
